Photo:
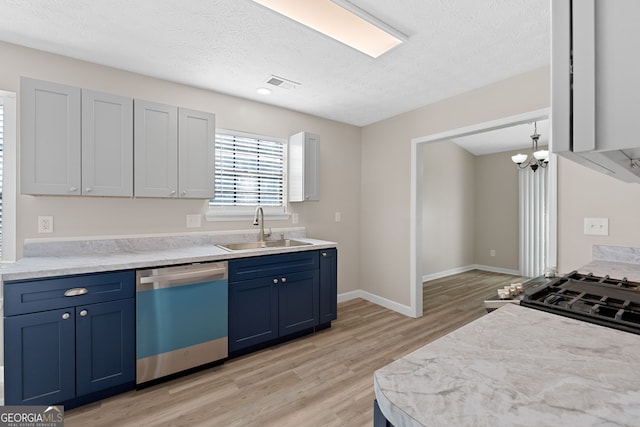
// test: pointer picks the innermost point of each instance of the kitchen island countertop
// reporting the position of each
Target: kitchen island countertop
(516, 366)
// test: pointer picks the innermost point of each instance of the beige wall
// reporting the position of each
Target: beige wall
(386, 161)
(449, 207)
(88, 216)
(470, 206)
(497, 211)
(584, 193)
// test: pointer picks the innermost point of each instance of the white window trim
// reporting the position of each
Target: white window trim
(242, 213)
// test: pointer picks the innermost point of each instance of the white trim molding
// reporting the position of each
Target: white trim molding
(415, 214)
(383, 302)
(446, 273)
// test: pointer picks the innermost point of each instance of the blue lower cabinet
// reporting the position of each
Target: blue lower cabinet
(379, 419)
(328, 285)
(253, 313)
(40, 358)
(272, 297)
(298, 302)
(105, 346)
(70, 355)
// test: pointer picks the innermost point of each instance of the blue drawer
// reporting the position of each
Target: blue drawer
(272, 265)
(31, 296)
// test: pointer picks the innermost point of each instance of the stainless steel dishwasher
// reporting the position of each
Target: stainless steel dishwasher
(181, 318)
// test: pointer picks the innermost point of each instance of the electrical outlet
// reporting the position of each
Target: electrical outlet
(492, 252)
(338, 217)
(294, 218)
(194, 221)
(45, 224)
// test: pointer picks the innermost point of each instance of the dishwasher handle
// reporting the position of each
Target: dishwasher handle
(157, 278)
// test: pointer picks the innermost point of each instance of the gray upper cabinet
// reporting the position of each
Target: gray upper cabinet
(156, 149)
(174, 151)
(49, 138)
(196, 156)
(595, 88)
(304, 167)
(74, 141)
(82, 142)
(107, 144)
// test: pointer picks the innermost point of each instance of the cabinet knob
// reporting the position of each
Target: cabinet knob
(184, 192)
(173, 192)
(284, 279)
(324, 254)
(73, 189)
(66, 316)
(275, 281)
(83, 313)
(88, 190)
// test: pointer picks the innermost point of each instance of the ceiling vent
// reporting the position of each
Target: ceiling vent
(282, 82)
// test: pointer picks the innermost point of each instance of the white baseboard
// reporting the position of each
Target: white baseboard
(464, 269)
(386, 303)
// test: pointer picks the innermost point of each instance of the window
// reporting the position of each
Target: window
(250, 171)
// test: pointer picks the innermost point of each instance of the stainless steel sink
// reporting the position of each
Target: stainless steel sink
(285, 243)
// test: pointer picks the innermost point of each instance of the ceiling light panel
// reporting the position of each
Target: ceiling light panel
(342, 21)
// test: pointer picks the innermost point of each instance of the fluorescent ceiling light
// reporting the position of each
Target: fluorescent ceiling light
(342, 21)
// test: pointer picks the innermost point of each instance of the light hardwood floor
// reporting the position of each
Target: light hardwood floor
(325, 379)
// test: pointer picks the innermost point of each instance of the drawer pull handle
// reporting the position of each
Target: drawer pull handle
(66, 316)
(83, 313)
(74, 292)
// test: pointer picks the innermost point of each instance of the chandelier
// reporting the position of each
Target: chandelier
(540, 158)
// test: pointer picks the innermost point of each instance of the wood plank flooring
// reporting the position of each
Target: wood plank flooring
(325, 379)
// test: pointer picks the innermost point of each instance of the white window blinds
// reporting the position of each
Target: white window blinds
(249, 171)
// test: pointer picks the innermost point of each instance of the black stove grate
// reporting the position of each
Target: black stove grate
(601, 300)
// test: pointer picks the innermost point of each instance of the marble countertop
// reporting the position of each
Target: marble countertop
(91, 256)
(516, 366)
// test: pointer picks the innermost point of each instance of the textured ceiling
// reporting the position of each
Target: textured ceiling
(506, 139)
(233, 46)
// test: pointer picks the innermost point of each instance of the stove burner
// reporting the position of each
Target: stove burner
(600, 300)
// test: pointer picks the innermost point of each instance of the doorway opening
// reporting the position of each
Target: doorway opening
(417, 176)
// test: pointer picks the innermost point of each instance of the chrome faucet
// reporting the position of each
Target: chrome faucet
(255, 222)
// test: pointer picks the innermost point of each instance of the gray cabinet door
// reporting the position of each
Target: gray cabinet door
(49, 138)
(107, 144)
(196, 154)
(605, 74)
(156, 149)
(304, 167)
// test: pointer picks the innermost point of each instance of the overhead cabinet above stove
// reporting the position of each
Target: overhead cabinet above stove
(595, 85)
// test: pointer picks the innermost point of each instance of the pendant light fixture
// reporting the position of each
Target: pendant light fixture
(540, 158)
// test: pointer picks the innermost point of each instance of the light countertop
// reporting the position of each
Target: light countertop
(516, 366)
(91, 256)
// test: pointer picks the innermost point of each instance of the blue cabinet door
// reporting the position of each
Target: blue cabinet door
(40, 358)
(105, 354)
(328, 285)
(253, 312)
(298, 301)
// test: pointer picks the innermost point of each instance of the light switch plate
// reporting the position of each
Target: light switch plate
(596, 226)
(194, 221)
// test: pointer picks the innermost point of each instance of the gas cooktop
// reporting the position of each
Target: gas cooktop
(601, 300)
